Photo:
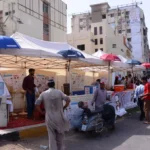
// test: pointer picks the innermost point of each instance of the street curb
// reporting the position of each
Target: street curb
(31, 131)
(23, 132)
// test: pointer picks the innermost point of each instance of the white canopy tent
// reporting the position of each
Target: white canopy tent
(115, 65)
(105, 68)
(39, 54)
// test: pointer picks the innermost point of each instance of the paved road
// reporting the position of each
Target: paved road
(130, 134)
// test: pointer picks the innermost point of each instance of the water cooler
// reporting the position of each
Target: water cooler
(3, 112)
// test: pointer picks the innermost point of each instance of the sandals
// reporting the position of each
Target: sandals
(146, 122)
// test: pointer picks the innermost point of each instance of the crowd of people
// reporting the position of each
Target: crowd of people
(142, 97)
(53, 99)
(127, 81)
(142, 93)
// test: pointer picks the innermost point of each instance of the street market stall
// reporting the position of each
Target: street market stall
(25, 54)
(46, 57)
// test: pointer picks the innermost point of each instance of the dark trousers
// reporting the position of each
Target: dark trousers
(141, 106)
(147, 109)
(30, 103)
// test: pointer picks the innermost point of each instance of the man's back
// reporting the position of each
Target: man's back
(53, 102)
(139, 90)
(100, 96)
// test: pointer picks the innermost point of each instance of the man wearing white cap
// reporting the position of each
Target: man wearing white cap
(55, 120)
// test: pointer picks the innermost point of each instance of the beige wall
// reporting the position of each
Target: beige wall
(109, 38)
(32, 18)
(85, 38)
(60, 78)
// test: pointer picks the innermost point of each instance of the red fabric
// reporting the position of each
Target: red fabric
(42, 106)
(146, 65)
(38, 115)
(146, 91)
(110, 57)
(21, 122)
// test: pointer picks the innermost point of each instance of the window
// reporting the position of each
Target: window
(128, 30)
(96, 42)
(112, 15)
(95, 30)
(46, 29)
(127, 13)
(1, 12)
(119, 14)
(45, 7)
(81, 19)
(144, 32)
(101, 49)
(81, 47)
(100, 30)
(129, 39)
(114, 46)
(7, 13)
(101, 40)
(128, 22)
(127, 17)
(122, 50)
(96, 50)
(81, 28)
(104, 16)
(120, 31)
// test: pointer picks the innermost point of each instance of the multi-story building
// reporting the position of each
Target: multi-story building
(127, 20)
(114, 30)
(91, 37)
(42, 19)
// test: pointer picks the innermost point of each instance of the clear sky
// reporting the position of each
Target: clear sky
(77, 6)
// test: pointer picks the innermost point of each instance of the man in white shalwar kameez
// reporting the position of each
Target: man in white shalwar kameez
(54, 116)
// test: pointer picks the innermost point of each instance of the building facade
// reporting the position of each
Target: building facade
(42, 19)
(119, 30)
(127, 20)
(91, 36)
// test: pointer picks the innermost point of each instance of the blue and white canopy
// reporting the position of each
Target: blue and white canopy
(7, 42)
(39, 54)
(71, 54)
(133, 62)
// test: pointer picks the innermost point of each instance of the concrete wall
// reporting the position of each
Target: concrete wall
(85, 38)
(109, 38)
(81, 23)
(136, 23)
(30, 12)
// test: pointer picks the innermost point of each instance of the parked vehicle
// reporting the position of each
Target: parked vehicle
(97, 121)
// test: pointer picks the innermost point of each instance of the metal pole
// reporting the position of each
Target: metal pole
(109, 74)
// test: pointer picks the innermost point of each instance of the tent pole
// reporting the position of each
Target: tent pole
(133, 76)
(69, 70)
(93, 76)
(66, 67)
(109, 74)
